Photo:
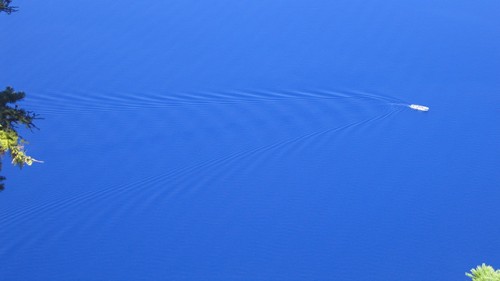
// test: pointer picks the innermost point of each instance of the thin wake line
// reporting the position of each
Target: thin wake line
(177, 173)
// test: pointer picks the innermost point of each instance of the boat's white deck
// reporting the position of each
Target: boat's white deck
(419, 107)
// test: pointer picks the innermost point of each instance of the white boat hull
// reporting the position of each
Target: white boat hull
(419, 107)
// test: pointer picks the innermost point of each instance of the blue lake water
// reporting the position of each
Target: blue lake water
(253, 140)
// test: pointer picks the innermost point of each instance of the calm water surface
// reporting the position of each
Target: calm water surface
(230, 140)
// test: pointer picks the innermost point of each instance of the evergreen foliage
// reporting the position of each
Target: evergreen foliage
(484, 273)
(11, 117)
(5, 6)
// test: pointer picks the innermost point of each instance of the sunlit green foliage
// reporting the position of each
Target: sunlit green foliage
(11, 142)
(5, 6)
(11, 117)
(484, 273)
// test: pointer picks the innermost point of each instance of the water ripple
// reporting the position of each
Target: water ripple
(247, 129)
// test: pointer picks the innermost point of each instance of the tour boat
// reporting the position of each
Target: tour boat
(419, 107)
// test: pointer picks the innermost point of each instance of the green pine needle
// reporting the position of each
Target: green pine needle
(484, 273)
